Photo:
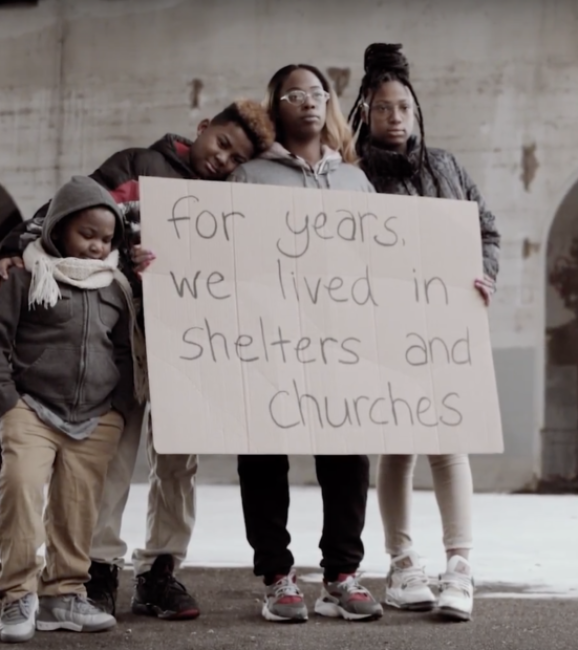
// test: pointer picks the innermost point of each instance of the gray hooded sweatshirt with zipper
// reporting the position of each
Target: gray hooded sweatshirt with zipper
(70, 363)
(277, 166)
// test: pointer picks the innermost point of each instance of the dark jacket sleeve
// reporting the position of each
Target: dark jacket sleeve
(123, 396)
(489, 230)
(120, 174)
(12, 295)
(18, 238)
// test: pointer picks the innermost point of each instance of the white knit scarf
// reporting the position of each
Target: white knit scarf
(47, 271)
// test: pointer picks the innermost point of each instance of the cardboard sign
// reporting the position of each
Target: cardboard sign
(301, 321)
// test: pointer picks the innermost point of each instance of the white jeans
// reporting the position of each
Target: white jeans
(171, 501)
(452, 477)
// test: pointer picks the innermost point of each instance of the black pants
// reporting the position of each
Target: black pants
(344, 482)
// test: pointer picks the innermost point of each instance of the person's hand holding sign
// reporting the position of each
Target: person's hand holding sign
(141, 258)
(487, 287)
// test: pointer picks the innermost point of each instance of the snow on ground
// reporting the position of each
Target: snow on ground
(521, 541)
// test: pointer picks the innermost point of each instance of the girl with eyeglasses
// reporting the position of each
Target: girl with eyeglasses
(314, 148)
(398, 162)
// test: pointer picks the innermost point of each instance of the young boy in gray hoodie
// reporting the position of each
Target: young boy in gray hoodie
(66, 385)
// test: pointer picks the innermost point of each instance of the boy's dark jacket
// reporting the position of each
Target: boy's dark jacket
(75, 358)
(167, 158)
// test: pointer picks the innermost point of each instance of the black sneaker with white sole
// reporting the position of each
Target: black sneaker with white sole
(158, 593)
(102, 588)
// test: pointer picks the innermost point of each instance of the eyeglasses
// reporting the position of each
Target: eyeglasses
(299, 97)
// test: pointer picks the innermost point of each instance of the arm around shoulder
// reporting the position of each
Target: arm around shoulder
(20, 236)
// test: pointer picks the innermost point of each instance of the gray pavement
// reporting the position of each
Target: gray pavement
(230, 600)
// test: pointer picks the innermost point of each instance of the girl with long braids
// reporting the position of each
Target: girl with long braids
(397, 161)
(314, 148)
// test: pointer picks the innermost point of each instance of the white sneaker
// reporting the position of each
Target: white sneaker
(284, 601)
(346, 598)
(72, 612)
(19, 619)
(407, 585)
(456, 585)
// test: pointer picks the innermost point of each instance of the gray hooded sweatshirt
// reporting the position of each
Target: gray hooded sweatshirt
(72, 362)
(277, 166)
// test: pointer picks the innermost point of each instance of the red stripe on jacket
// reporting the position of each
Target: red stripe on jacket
(128, 191)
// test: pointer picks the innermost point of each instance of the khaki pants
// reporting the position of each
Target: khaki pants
(34, 454)
(452, 477)
(171, 501)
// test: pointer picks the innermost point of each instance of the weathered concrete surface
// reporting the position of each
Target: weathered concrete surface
(498, 82)
(230, 620)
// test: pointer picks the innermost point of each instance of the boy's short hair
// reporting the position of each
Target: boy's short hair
(253, 119)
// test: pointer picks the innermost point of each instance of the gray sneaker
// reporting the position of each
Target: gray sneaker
(18, 619)
(346, 598)
(284, 601)
(72, 612)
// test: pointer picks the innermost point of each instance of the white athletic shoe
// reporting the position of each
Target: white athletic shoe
(456, 599)
(19, 619)
(346, 598)
(72, 612)
(407, 585)
(284, 601)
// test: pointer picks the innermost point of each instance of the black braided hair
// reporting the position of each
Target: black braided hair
(385, 62)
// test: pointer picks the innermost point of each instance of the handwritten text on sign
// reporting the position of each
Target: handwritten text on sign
(284, 320)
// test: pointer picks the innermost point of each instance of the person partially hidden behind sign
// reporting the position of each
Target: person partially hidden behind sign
(241, 131)
(66, 387)
(398, 162)
(313, 149)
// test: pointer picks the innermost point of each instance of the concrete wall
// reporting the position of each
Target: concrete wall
(498, 81)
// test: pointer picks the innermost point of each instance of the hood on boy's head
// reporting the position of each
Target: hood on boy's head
(80, 193)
